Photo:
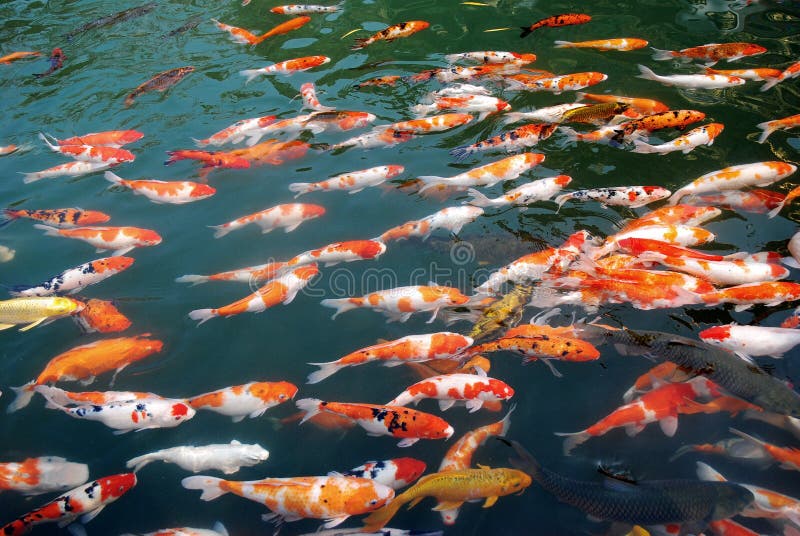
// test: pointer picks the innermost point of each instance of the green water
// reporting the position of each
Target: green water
(104, 64)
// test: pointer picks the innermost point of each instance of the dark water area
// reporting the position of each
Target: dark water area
(104, 64)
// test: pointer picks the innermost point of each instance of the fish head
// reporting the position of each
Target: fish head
(273, 392)
(407, 470)
(752, 49)
(149, 237)
(151, 345)
(181, 412)
(114, 264)
(368, 497)
(255, 453)
(500, 389)
(89, 217)
(64, 306)
(115, 486)
(202, 190)
(716, 335)
(731, 499)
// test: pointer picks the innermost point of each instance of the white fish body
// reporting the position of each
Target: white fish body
(225, 457)
(692, 81)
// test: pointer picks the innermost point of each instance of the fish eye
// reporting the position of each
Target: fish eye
(281, 396)
(373, 502)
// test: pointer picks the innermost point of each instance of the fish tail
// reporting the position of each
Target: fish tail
(310, 406)
(771, 83)
(507, 421)
(300, 188)
(7, 216)
(647, 73)
(570, 133)
(201, 143)
(681, 451)
(24, 395)
(771, 214)
(421, 110)
(478, 199)
(16, 290)
(48, 229)
(129, 99)
(563, 44)
(511, 117)
(360, 42)
(220, 230)
(325, 370)
(661, 55)
(430, 181)
(460, 153)
(139, 462)
(524, 461)
(193, 279)
(526, 31)
(768, 129)
(203, 315)
(250, 74)
(708, 473)
(31, 177)
(342, 305)
(113, 177)
(173, 157)
(675, 197)
(643, 147)
(748, 437)
(210, 486)
(561, 199)
(46, 139)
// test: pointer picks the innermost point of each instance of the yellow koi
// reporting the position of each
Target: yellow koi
(34, 311)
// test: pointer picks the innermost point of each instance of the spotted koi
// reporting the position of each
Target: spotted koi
(249, 400)
(712, 53)
(289, 216)
(237, 132)
(735, 178)
(565, 19)
(171, 192)
(57, 217)
(558, 84)
(514, 140)
(401, 302)
(538, 190)
(34, 476)
(75, 279)
(352, 182)
(505, 169)
(119, 239)
(395, 31)
(472, 389)
(704, 135)
(89, 153)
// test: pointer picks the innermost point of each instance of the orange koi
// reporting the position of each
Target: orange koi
(309, 94)
(349, 251)
(712, 53)
(401, 302)
(459, 456)
(735, 178)
(518, 139)
(665, 372)
(109, 138)
(352, 182)
(262, 272)
(172, 192)
(472, 389)
(436, 123)
(671, 119)
(792, 71)
(289, 216)
(543, 348)
(621, 44)
(389, 80)
(237, 131)
(758, 75)
(101, 316)
(284, 27)
(557, 84)
(768, 127)
(209, 160)
(758, 200)
(395, 31)
(688, 215)
(119, 239)
(57, 217)
(565, 19)
(643, 106)
(502, 170)
(14, 56)
(160, 82)
(272, 152)
(238, 35)
(771, 293)
(89, 153)
(248, 400)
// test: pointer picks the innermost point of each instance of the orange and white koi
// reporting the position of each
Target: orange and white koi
(308, 92)
(565, 19)
(626, 196)
(729, 527)
(287, 67)
(396, 473)
(409, 349)
(281, 290)
(791, 196)
(621, 44)
(723, 272)
(237, 132)
(787, 457)
(249, 400)
(538, 190)
(119, 239)
(127, 415)
(661, 405)
(109, 138)
(734, 447)
(388, 80)
(260, 272)
(75, 279)
(515, 140)
(641, 105)
(397, 421)
(57, 217)
(482, 104)
(60, 397)
(352, 182)
(69, 169)
(550, 114)
(395, 31)
(669, 119)
(472, 389)
(401, 302)
(604, 135)
(792, 71)
(490, 57)
(752, 340)
(289, 216)
(771, 293)
(34, 476)
(639, 246)
(544, 348)
(675, 215)
(305, 9)
(85, 501)
(172, 192)
(768, 127)
(352, 250)
(704, 135)
(333, 498)
(758, 74)
(681, 235)
(450, 218)
(558, 84)
(491, 71)
(13, 148)
(427, 125)
(693, 81)
(735, 178)
(87, 361)
(216, 159)
(711, 53)
(238, 35)
(644, 277)
(376, 138)
(506, 169)
(316, 122)
(459, 456)
(89, 153)
(14, 56)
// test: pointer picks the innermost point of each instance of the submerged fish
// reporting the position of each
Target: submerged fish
(110, 20)
(160, 82)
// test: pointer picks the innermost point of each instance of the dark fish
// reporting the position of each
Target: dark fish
(56, 61)
(191, 24)
(110, 20)
(654, 502)
(159, 82)
(503, 314)
(739, 378)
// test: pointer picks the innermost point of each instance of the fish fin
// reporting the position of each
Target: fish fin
(6, 326)
(775, 211)
(24, 394)
(340, 304)
(139, 462)
(708, 473)
(112, 177)
(392, 364)
(767, 128)
(76, 529)
(87, 381)
(121, 432)
(526, 31)
(490, 501)
(661, 55)
(449, 516)
(257, 413)
(407, 442)
(460, 153)
(334, 521)
(771, 83)
(121, 251)
(237, 418)
(562, 44)
(219, 527)
(433, 316)
(615, 483)
(33, 324)
(573, 440)
(479, 199)
(444, 405)
(646, 73)
(250, 74)
(193, 279)
(49, 230)
(85, 518)
(310, 406)
(643, 147)
(669, 425)
(552, 367)
(447, 505)
(742, 307)
(748, 437)
(220, 230)
(209, 485)
(633, 429)
(203, 315)
(474, 405)
(325, 370)
(748, 358)
(288, 229)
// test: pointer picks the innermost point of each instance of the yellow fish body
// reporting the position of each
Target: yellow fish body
(34, 311)
(503, 314)
(452, 489)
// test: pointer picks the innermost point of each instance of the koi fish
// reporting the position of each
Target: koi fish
(237, 132)
(333, 498)
(85, 501)
(711, 53)
(352, 182)
(506, 169)
(34, 476)
(735, 447)
(472, 389)
(56, 60)
(427, 125)
(675, 215)
(787, 457)
(459, 456)
(724, 272)
(621, 44)
(284, 27)
(238, 35)
(101, 316)
(758, 75)
(396, 473)
(401, 302)
(260, 272)
(452, 489)
(35, 311)
(282, 289)
(71, 398)
(87, 361)
(352, 250)
(544, 348)
(771, 293)
(768, 127)
(735, 178)
(792, 71)
(109, 138)
(226, 457)
(680, 235)
(14, 56)
(604, 135)
(565, 19)
(218, 529)
(110, 20)
(377, 138)
(538, 190)
(704, 135)
(518, 139)
(389, 80)
(594, 113)
(451, 218)
(216, 159)
(316, 122)
(130, 415)
(640, 105)
(173, 192)
(70, 169)
(550, 114)
(88, 153)
(671, 119)
(57, 217)
(557, 84)
(640, 246)
(309, 94)
(75, 279)
(626, 196)
(305, 9)
(287, 67)
(758, 201)
(661, 405)
(490, 57)
(395, 31)
(159, 82)
(120, 239)
(482, 104)
(248, 400)
(695, 81)
(491, 71)
(288, 216)
(406, 424)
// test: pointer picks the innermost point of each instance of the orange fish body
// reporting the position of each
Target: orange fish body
(238, 35)
(459, 456)
(14, 56)
(787, 457)
(173, 192)
(110, 138)
(119, 239)
(209, 159)
(688, 215)
(565, 19)
(403, 29)
(103, 317)
(284, 27)
(620, 44)
(745, 296)
(401, 302)
(670, 119)
(712, 53)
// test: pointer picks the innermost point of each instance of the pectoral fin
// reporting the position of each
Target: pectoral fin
(490, 501)
(33, 324)
(6, 326)
(669, 425)
(447, 505)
